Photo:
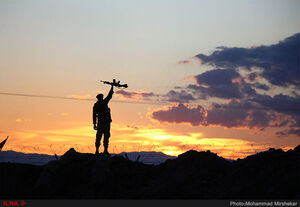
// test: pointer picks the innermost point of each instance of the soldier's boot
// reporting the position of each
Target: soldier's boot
(105, 143)
(106, 152)
(97, 148)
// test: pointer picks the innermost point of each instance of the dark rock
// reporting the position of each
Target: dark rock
(17, 180)
(273, 174)
(297, 149)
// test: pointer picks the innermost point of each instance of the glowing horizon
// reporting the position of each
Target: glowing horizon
(129, 139)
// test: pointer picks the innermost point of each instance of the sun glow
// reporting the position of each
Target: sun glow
(126, 138)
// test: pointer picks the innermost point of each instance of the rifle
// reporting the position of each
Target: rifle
(114, 83)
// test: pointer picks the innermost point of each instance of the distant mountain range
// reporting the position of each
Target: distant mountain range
(42, 159)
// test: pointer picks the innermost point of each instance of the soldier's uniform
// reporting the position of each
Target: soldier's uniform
(102, 119)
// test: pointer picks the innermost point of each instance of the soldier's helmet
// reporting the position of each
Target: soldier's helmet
(100, 96)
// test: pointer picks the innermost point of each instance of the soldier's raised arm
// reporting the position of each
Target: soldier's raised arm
(110, 94)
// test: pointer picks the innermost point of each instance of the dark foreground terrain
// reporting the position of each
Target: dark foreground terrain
(273, 174)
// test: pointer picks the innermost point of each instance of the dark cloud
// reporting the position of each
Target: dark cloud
(289, 132)
(217, 83)
(217, 77)
(287, 106)
(180, 114)
(229, 117)
(221, 83)
(280, 63)
(239, 114)
(134, 95)
(219, 91)
(260, 111)
(179, 97)
(260, 86)
(198, 116)
(279, 103)
(252, 76)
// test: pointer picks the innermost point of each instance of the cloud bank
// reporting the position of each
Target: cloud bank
(257, 87)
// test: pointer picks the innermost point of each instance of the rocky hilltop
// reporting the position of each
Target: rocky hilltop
(273, 174)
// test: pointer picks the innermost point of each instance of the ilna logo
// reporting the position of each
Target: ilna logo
(14, 203)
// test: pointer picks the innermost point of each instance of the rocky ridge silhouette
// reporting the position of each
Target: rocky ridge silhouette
(273, 174)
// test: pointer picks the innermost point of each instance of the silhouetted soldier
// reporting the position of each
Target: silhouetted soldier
(102, 120)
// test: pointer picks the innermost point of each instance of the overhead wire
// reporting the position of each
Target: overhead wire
(80, 99)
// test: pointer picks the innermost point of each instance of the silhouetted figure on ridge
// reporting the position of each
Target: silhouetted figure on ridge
(102, 120)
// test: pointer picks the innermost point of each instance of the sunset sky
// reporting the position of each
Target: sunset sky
(204, 75)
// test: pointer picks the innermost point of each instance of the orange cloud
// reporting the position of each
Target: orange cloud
(134, 95)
